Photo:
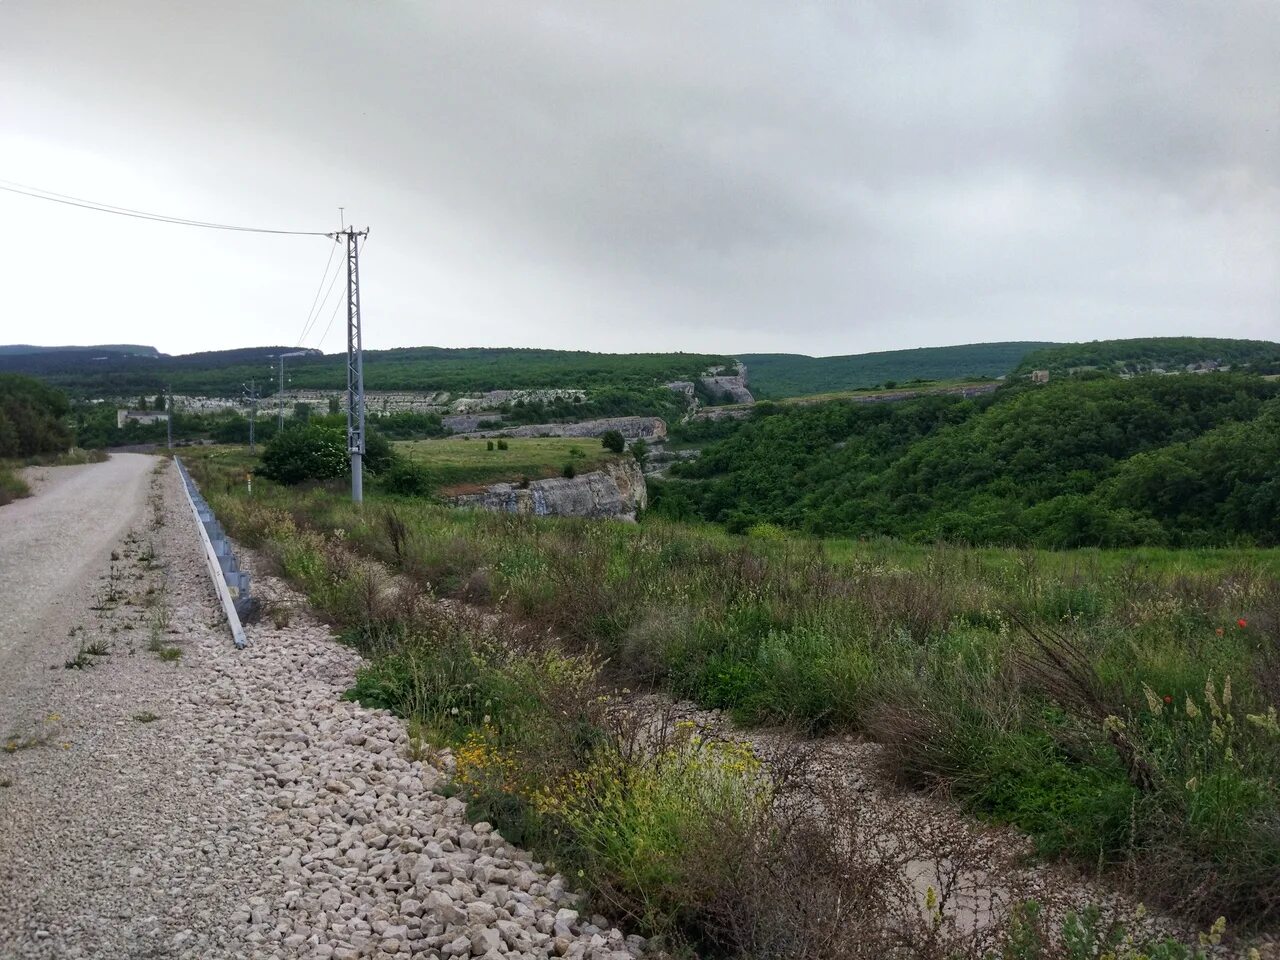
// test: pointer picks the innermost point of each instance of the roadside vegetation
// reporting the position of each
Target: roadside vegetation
(32, 428)
(1121, 713)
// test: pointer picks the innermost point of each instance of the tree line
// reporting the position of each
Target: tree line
(1093, 461)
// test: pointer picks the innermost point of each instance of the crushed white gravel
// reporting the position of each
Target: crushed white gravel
(229, 803)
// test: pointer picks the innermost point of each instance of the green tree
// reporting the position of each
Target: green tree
(312, 452)
(613, 440)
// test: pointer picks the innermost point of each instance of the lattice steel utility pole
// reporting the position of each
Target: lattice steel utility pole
(355, 363)
(251, 394)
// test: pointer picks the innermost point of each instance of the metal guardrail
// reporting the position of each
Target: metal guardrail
(230, 582)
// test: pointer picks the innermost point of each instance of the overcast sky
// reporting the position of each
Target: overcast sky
(721, 176)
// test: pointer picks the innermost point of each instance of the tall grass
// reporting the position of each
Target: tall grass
(12, 486)
(1071, 699)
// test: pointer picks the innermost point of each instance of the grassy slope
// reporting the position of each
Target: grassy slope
(776, 375)
(454, 464)
(920, 647)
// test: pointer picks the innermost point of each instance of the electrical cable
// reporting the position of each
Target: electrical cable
(41, 194)
(312, 314)
(333, 315)
(337, 274)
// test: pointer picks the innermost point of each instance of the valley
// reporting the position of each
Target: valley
(1045, 608)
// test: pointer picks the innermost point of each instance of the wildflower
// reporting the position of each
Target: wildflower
(1192, 710)
(1242, 623)
(454, 711)
(1192, 784)
(1226, 692)
(1153, 701)
(1113, 724)
(1266, 721)
(1211, 696)
(1219, 631)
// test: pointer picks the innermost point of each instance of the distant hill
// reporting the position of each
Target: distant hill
(777, 375)
(1145, 354)
(98, 372)
(129, 349)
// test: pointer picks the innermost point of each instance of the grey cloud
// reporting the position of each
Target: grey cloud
(731, 176)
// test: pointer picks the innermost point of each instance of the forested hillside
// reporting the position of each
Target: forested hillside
(32, 418)
(777, 375)
(1078, 462)
(1146, 354)
(469, 369)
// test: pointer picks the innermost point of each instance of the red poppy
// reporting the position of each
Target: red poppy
(1242, 623)
(1168, 699)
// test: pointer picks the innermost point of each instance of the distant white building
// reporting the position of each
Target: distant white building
(139, 416)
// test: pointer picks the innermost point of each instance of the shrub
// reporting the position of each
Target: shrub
(405, 478)
(613, 441)
(640, 450)
(379, 455)
(489, 445)
(312, 452)
(569, 471)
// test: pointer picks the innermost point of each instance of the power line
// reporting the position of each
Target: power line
(337, 275)
(41, 194)
(324, 302)
(312, 314)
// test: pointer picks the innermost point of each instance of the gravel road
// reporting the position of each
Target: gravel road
(53, 546)
(164, 795)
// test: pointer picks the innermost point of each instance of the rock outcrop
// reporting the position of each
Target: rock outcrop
(633, 428)
(468, 422)
(733, 388)
(616, 492)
